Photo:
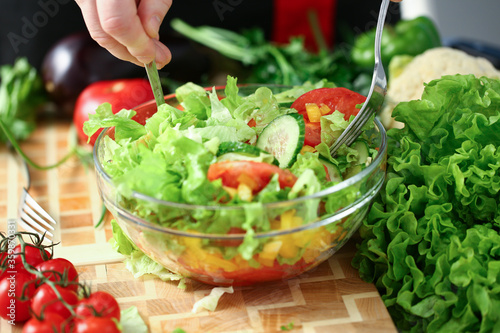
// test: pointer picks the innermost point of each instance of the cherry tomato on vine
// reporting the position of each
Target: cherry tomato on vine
(4, 262)
(98, 304)
(3, 258)
(16, 292)
(96, 325)
(50, 323)
(34, 255)
(46, 300)
(59, 268)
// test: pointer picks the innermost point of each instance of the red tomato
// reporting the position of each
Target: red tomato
(340, 99)
(250, 275)
(231, 242)
(259, 173)
(16, 292)
(46, 300)
(312, 136)
(4, 261)
(34, 255)
(59, 268)
(51, 322)
(98, 304)
(96, 325)
(121, 94)
(3, 258)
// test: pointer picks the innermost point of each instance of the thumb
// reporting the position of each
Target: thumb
(152, 13)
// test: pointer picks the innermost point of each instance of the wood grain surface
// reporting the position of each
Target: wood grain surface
(330, 298)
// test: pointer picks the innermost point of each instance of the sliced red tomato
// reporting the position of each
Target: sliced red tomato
(339, 98)
(254, 174)
(312, 136)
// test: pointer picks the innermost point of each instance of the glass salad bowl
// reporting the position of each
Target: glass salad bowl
(301, 232)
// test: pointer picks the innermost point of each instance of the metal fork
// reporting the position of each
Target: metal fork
(32, 216)
(377, 92)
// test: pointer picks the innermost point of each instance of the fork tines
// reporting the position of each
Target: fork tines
(33, 218)
(352, 132)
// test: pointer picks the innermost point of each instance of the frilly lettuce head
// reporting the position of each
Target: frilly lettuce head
(431, 242)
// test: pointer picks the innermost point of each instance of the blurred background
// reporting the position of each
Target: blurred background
(31, 28)
(52, 36)
(471, 20)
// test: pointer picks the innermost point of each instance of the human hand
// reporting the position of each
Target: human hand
(128, 29)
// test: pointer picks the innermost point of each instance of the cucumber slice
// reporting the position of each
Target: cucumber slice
(363, 154)
(284, 138)
(240, 151)
(363, 151)
(333, 170)
(353, 170)
(238, 147)
(264, 157)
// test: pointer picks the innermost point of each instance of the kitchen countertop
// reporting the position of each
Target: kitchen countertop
(329, 298)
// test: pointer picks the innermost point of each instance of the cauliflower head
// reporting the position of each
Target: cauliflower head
(408, 84)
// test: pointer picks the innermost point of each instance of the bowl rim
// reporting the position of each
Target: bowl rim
(382, 154)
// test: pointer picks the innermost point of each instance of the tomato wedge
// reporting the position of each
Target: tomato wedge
(312, 135)
(339, 98)
(233, 173)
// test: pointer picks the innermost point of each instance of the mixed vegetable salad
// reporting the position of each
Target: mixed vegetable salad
(214, 151)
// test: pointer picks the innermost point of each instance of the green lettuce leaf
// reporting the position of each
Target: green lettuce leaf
(22, 95)
(210, 301)
(332, 126)
(125, 127)
(136, 261)
(194, 99)
(132, 322)
(120, 242)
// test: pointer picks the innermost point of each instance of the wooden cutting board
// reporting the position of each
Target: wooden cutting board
(331, 298)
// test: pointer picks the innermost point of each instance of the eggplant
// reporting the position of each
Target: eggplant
(75, 62)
